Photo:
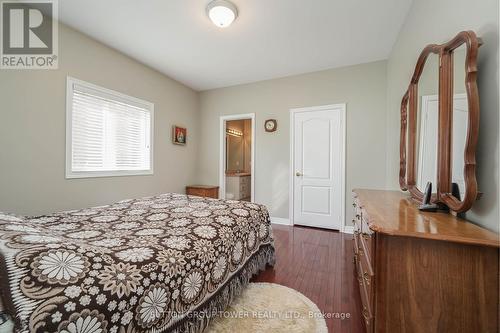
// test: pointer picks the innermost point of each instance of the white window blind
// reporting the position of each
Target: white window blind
(109, 133)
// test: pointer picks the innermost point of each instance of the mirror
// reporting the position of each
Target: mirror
(403, 143)
(420, 126)
(427, 123)
(238, 152)
(238, 145)
(461, 114)
(235, 155)
(440, 124)
(235, 162)
(460, 119)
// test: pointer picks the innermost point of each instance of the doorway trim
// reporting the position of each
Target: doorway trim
(335, 107)
(222, 153)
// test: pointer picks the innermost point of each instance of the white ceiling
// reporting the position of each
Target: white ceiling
(269, 39)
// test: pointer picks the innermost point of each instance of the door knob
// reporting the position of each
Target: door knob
(298, 174)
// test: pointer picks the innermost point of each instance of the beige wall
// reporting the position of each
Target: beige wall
(362, 87)
(431, 21)
(32, 130)
(247, 144)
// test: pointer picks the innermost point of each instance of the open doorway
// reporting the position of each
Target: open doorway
(236, 165)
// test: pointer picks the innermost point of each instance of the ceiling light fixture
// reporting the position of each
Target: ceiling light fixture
(222, 13)
(233, 132)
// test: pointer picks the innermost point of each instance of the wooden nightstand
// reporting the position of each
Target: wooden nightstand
(203, 191)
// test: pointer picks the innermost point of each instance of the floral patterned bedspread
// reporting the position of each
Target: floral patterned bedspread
(143, 265)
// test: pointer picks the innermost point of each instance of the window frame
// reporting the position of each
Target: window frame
(70, 174)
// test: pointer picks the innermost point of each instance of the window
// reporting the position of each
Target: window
(107, 133)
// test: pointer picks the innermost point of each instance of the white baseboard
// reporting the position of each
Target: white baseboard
(280, 220)
(348, 229)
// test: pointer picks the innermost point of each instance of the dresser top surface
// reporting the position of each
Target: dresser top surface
(393, 213)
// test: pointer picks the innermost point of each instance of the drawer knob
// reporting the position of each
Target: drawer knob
(367, 278)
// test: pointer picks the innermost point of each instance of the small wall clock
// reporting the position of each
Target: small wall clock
(271, 125)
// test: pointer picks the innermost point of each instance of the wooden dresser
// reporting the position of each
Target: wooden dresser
(203, 191)
(423, 272)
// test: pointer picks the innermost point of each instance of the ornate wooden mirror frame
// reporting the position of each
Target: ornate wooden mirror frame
(409, 109)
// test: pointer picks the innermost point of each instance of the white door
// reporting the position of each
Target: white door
(427, 154)
(318, 159)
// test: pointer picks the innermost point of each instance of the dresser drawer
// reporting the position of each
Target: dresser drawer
(196, 192)
(366, 243)
(202, 191)
(356, 226)
(357, 215)
(364, 266)
(366, 304)
(367, 273)
(368, 321)
(356, 241)
(357, 221)
(359, 272)
(244, 190)
(245, 180)
(367, 236)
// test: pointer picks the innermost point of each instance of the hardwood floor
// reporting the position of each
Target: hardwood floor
(319, 264)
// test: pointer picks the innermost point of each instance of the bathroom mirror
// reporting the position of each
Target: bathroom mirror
(235, 157)
(238, 153)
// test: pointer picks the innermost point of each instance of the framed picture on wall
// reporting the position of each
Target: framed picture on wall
(179, 135)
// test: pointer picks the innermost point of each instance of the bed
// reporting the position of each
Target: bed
(157, 264)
